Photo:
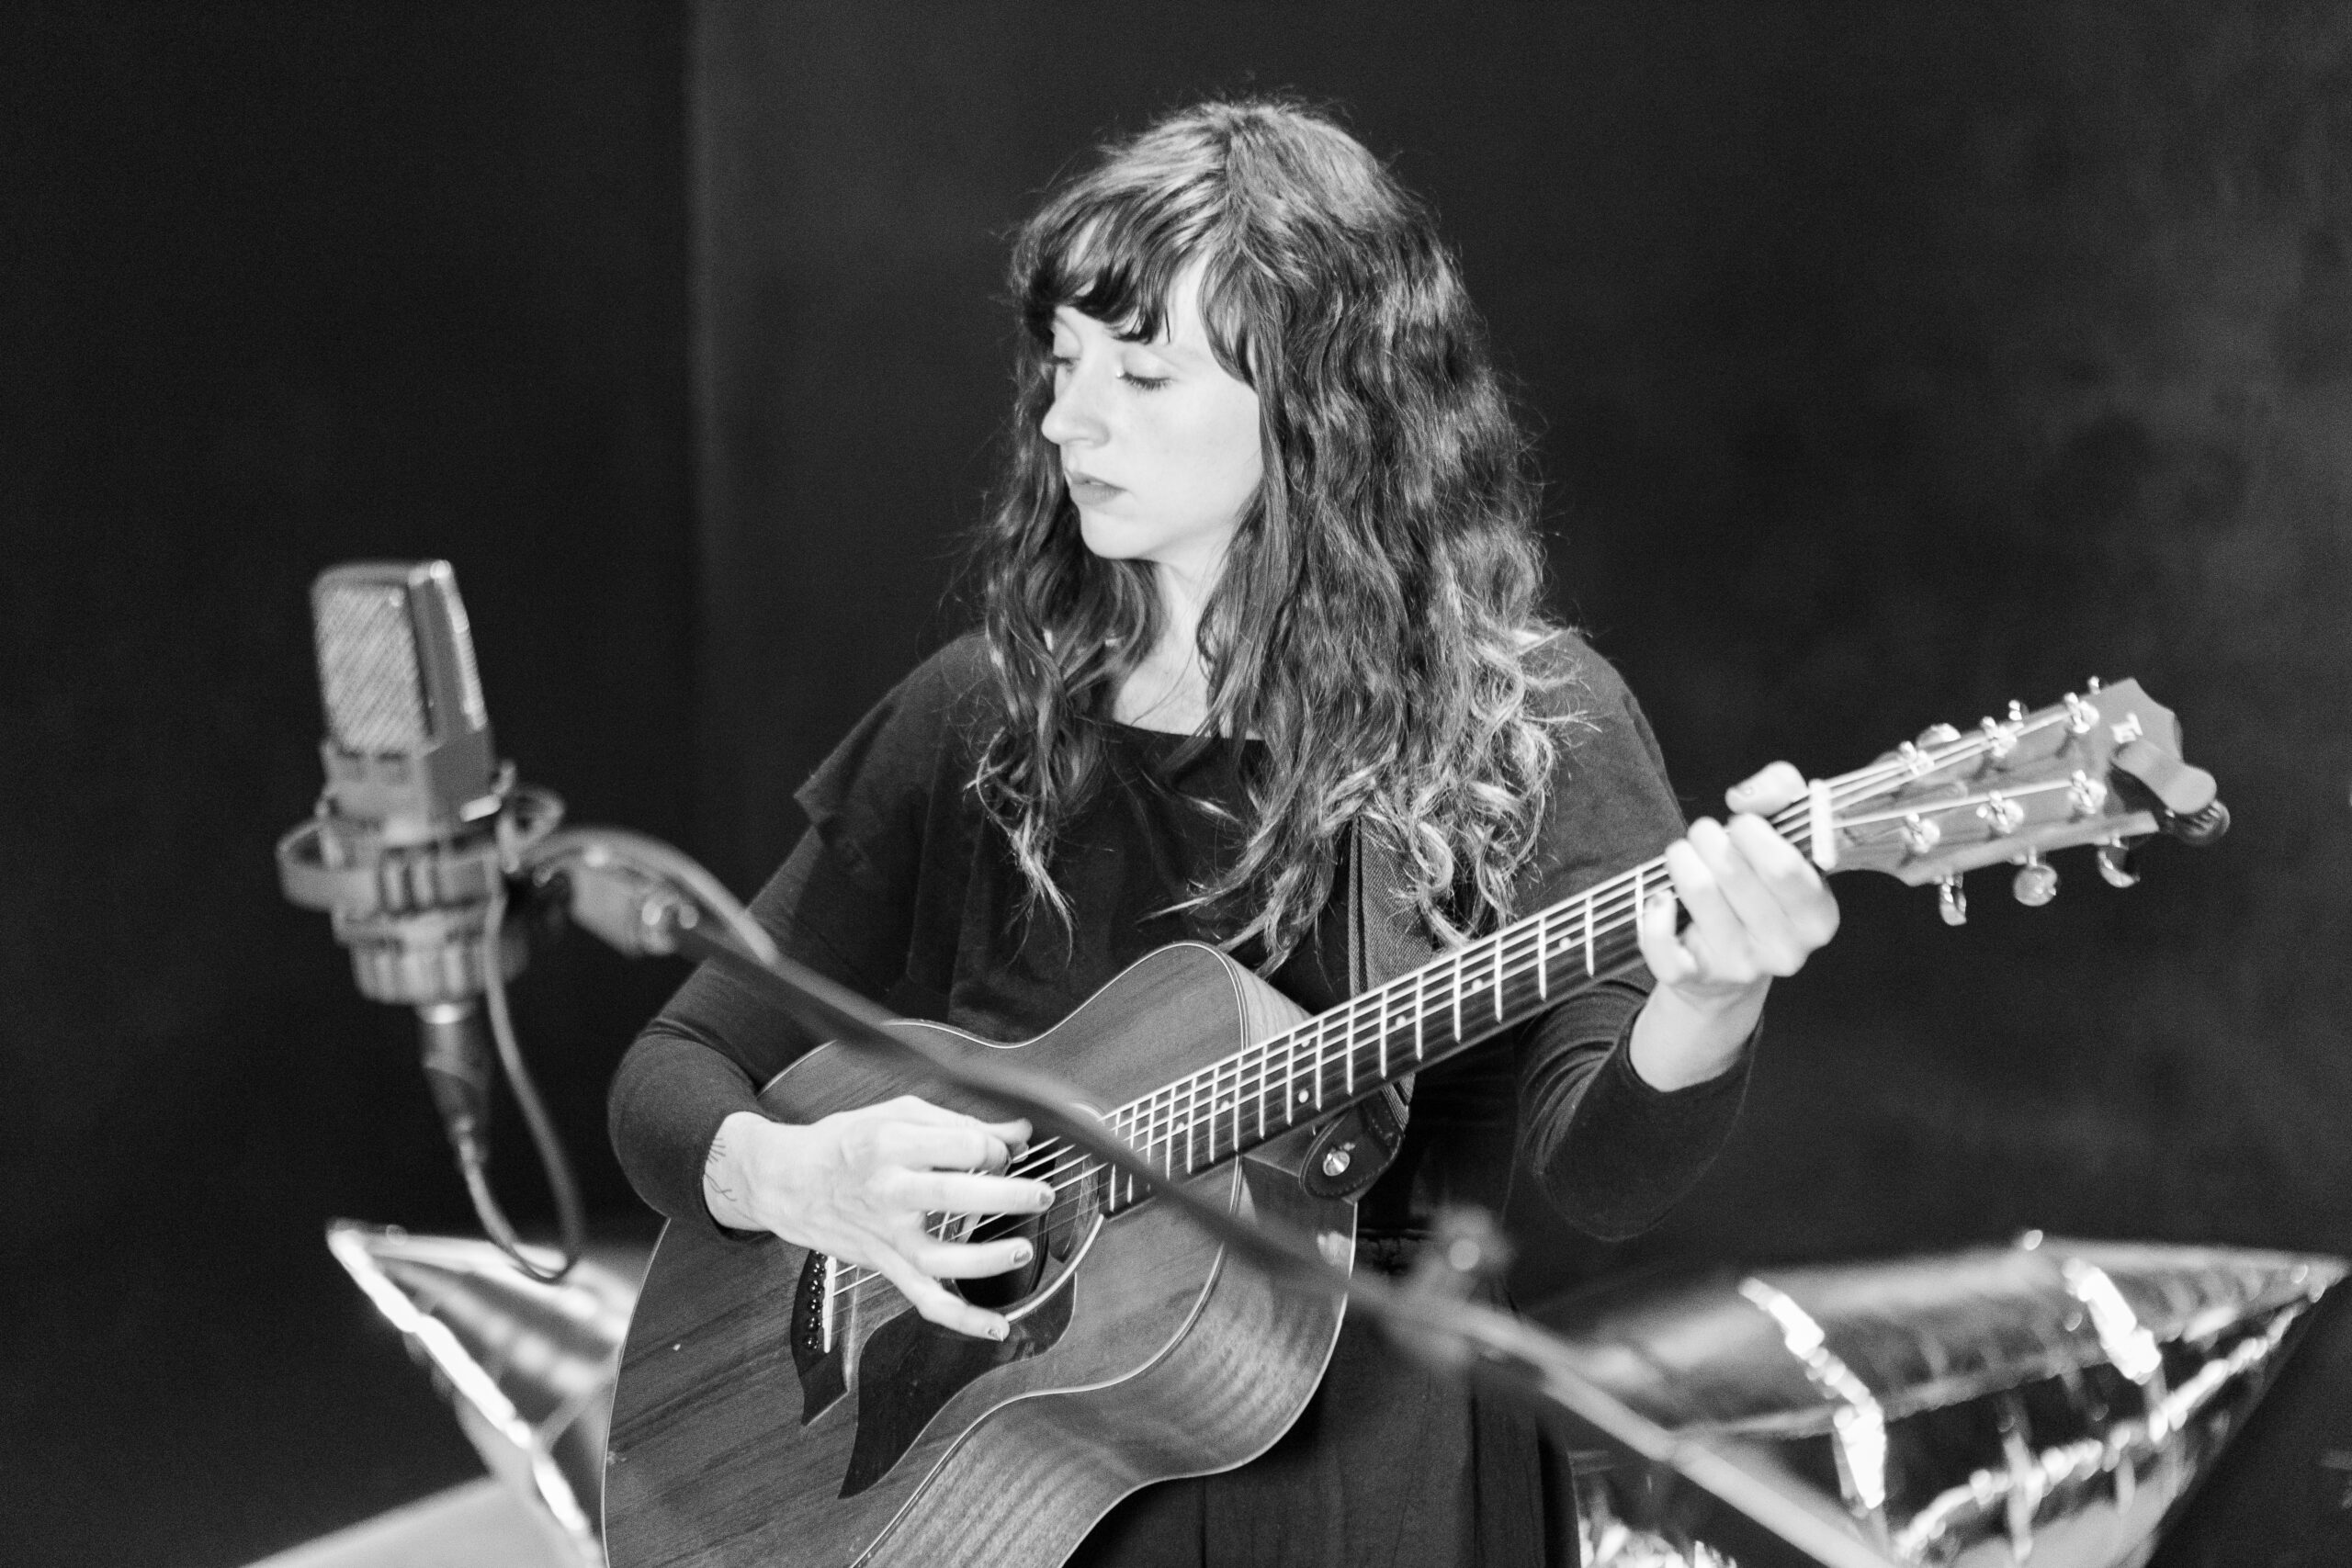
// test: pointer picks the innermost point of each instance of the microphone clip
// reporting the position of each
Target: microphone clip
(412, 914)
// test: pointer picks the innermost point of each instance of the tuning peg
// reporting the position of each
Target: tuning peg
(2115, 864)
(1938, 735)
(1951, 902)
(2200, 829)
(2037, 880)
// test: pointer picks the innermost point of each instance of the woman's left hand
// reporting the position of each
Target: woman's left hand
(1758, 910)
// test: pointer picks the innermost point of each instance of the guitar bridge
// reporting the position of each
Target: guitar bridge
(815, 1350)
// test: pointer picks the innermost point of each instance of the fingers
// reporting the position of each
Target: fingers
(1714, 943)
(1778, 785)
(936, 1302)
(1742, 916)
(1782, 870)
(968, 1261)
(958, 1192)
(1756, 909)
(966, 1145)
(998, 1143)
(1670, 962)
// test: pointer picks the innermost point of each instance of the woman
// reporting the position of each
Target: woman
(1262, 627)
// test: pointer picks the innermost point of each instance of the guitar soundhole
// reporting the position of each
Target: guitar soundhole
(1056, 1237)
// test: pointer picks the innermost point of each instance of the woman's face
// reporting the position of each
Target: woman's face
(1158, 441)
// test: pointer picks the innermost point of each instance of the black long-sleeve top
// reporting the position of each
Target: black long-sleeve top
(902, 889)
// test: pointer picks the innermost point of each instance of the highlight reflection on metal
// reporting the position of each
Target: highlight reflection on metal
(2050, 1402)
(529, 1366)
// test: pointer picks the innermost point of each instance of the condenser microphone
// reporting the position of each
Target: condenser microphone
(409, 847)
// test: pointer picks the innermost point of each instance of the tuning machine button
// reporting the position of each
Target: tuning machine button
(1919, 835)
(1951, 903)
(2037, 880)
(2086, 795)
(2000, 813)
(2115, 864)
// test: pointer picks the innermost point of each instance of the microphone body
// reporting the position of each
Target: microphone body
(408, 847)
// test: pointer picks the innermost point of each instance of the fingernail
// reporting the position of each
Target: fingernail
(1020, 1252)
(999, 1330)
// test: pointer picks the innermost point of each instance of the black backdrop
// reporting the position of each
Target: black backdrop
(1892, 363)
(286, 285)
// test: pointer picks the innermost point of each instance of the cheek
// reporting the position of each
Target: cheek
(1232, 462)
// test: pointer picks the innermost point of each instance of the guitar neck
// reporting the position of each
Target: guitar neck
(1337, 1057)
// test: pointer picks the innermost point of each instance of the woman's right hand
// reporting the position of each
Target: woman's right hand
(857, 1185)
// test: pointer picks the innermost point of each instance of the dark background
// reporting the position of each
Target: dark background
(1891, 363)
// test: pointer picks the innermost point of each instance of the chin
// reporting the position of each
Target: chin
(1107, 538)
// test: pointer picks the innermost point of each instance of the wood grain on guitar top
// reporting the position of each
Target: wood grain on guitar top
(1171, 1362)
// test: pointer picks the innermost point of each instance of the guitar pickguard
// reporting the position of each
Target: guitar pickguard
(912, 1368)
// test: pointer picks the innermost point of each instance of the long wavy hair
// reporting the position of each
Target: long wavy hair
(1377, 620)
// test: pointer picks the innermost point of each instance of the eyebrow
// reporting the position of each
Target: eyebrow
(1167, 347)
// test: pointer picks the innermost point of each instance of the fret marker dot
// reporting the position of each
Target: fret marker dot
(1302, 1096)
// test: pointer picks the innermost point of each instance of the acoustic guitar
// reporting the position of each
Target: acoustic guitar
(777, 1406)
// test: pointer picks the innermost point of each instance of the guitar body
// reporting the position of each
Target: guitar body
(739, 1438)
(769, 1414)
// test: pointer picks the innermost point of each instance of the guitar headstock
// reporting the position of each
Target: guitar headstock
(2100, 768)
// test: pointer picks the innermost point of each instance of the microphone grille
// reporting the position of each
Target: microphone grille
(408, 738)
(370, 674)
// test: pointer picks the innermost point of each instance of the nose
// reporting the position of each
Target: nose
(1074, 418)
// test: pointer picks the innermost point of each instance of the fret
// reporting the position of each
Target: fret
(1233, 1120)
(1348, 1055)
(1587, 932)
(1294, 1096)
(1497, 945)
(1191, 1119)
(1139, 1138)
(1543, 957)
(1257, 1090)
(1163, 1128)
(1265, 1083)
(1459, 953)
(1384, 1031)
(1201, 1123)
(1420, 1007)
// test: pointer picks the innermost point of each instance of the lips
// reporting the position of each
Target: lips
(1086, 489)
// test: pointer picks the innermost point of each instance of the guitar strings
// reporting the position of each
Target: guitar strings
(1622, 894)
(1617, 895)
(1606, 911)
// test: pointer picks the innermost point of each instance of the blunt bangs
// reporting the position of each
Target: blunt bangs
(1114, 246)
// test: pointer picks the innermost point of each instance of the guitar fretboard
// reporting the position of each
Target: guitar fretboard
(1328, 1062)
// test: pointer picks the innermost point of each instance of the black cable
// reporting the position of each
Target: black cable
(473, 1155)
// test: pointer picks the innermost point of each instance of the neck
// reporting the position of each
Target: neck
(1168, 688)
(1185, 591)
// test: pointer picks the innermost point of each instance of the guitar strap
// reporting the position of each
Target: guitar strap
(1384, 939)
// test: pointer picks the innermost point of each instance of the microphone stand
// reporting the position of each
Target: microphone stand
(643, 897)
